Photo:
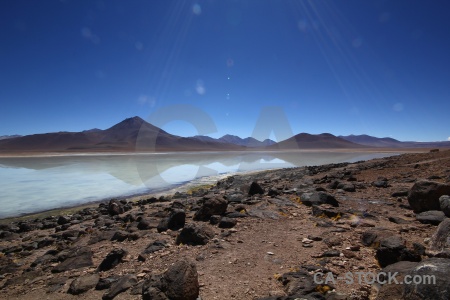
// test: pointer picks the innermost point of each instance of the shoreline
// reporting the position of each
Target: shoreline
(118, 153)
(181, 188)
(174, 188)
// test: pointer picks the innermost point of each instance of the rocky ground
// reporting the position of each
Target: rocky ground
(255, 236)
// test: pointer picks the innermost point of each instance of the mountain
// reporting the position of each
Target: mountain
(247, 142)
(235, 140)
(132, 134)
(315, 141)
(4, 137)
(386, 142)
(371, 141)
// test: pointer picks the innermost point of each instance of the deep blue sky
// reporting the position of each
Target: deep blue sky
(346, 66)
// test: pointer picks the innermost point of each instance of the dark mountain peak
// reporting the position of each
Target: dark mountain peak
(367, 140)
(92, 130)
(326, 134)
(129, 123)
(230, 136)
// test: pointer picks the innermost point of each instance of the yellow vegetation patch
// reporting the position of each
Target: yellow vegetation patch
(277, 276)
(283, 214)
(197, 188)
(296, 199)
(337, 217)
(322, 288)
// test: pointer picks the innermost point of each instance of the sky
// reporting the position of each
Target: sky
(344, 67)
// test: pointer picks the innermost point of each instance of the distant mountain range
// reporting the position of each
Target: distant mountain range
(4, 137)
(387, 142)
(233, 139)
(135, 134)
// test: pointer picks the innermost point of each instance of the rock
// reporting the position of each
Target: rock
(145, 224)
(105, 283)
(115, 208)
(215, 219)
(440, 241)
(398, 220)
(255, 188)
(74, 258)
(314, 237)
(348, 187)
(391, 290)
(226, 222)
(211, 206)
(235, 197)
(174, 221)
(318, 198)
(399, 194)
(63, 220)
(155, 246)
(273, 192)
(120, 286)
(374, 236)
(56, 283)
(392, 249)
(433, 217)
(120, 236)
(324, 211)
(179, 282)
(444, 204)
(333, 241)
(236, 215)
(83, 284)
(101, 236)
(331, 253)
(381, 183)
(438, 269)
(112, 259)
(424, 195)
(195, 234)
(300, 284)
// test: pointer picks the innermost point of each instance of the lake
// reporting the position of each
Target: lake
(39, 183)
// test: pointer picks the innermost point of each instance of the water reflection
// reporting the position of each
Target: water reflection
(30, 184)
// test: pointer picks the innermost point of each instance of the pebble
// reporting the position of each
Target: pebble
(270, 253)
(306, 241)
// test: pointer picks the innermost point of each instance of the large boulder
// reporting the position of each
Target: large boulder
(255, 188)
(392, 290)
(195, 234)
(318, 198)
(179, 282)
(440, 241)
(120, 286)
(424, 195)
(444, 203)
(113, 258)
(211, 206)
(74, 258)
(433, 217)
(155, 246)
(434, 269)
(175, 221)
(83, 284)
(373, 237)
(392, 249)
